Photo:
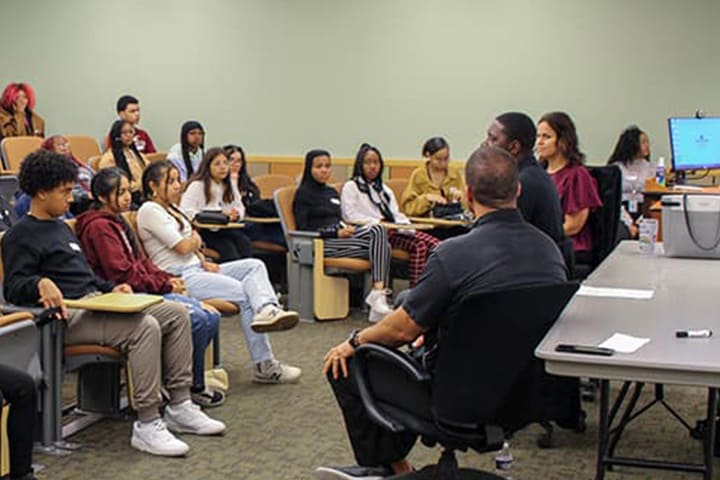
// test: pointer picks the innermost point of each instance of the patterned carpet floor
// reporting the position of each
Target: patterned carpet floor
(286, 431)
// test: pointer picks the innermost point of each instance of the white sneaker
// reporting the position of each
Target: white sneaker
(187, 417)
(154, 437)
(272, 318)
(377, 300)
(272, 371)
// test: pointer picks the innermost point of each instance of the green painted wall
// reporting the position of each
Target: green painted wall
(281, 76)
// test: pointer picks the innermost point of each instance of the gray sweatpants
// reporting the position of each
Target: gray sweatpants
(156, 341)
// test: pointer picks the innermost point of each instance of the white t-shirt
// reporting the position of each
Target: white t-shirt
(194, 201)
(160, 232)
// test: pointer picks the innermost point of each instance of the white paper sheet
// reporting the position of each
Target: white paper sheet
(635, 294)
(624, 343)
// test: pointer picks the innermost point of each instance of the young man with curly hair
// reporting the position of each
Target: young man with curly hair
(45, 264)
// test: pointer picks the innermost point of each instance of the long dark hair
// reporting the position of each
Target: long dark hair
(244, 182)
(307, 178)
(104, 183)
(203, 175)
(185, 146)
(567, 138)
(627, 147)
(118, 148)
(156, 172)
(364, 185)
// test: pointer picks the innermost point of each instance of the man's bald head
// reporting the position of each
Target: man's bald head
(492, 176)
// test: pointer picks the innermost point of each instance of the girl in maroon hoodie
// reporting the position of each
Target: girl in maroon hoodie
(113, 252)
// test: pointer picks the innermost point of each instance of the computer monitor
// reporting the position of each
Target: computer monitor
(695, 143)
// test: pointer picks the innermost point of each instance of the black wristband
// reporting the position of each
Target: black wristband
(354, 340)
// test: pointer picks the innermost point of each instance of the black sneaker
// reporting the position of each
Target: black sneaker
(208, 398)
(354, 472)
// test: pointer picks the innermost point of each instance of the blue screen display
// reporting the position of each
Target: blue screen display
(695, 143)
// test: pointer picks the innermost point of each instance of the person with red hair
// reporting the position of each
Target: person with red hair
(60, 144)
(17, 115)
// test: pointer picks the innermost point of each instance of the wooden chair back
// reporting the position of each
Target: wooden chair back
(15, 149)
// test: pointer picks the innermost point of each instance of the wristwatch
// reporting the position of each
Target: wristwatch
(354, 339)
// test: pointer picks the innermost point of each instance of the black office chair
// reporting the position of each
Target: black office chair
(484, 386)
(9, 186)
(604, 221)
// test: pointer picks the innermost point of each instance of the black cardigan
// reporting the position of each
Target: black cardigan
(317, 208)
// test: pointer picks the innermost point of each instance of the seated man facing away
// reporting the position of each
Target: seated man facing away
(44, 264)
(501, 251)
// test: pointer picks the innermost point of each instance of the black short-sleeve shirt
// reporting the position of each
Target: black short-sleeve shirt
(501, 251)
(539, 201)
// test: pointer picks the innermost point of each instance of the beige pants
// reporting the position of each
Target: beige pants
(156, 341)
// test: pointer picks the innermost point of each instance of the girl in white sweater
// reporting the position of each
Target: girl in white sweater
(210, 188)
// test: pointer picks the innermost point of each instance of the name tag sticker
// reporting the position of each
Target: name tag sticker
(75, 247)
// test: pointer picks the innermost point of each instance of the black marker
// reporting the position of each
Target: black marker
(705, 333)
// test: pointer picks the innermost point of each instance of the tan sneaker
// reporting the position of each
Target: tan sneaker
(272, 318)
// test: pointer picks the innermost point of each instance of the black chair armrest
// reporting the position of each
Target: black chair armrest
(393, 357)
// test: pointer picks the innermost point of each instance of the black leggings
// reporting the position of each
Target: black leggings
(231, 244)
(18, 389)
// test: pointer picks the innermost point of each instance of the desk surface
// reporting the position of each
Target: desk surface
(686, 297)
(261, 219)
(408, 226)
(658, 190)
(116, 302)
(440, 222)
(212, 226)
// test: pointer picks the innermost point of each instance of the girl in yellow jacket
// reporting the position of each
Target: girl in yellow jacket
(433, 183)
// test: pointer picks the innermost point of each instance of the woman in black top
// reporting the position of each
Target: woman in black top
(317, 207)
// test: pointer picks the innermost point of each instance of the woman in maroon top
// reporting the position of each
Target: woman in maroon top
(557, 148)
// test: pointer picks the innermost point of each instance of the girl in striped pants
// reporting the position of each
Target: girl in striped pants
(317, 208)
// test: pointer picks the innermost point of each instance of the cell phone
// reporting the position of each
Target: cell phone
(584, 349)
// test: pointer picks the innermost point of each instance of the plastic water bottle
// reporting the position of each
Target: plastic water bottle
(504, 462)
(660, 172)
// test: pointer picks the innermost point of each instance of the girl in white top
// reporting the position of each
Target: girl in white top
(632, 156)
(173, 245)
(210, 188)
(365, 199)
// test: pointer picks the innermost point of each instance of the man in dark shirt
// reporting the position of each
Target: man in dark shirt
(44, 264)
(501, 251)
(539, 202)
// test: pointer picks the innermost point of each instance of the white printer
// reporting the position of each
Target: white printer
(691, 225)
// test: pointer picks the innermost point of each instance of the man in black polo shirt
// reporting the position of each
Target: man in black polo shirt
(501, 251)
(539, 202)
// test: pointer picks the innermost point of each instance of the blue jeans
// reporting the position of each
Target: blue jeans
(242, 282)
(204, 326)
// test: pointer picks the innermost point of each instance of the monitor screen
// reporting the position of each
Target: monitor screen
(695, 143)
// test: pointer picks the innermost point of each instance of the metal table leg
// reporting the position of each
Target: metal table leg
(603, 429)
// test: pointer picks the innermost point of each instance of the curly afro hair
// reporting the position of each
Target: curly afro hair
(43, 170)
